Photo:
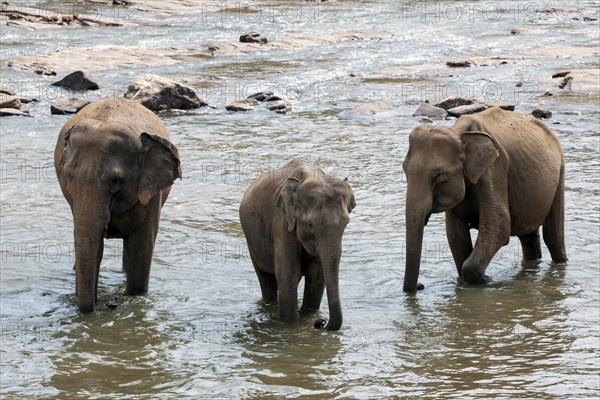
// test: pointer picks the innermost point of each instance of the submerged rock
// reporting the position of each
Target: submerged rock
(77, 81)
(158, 93)
(376, 107)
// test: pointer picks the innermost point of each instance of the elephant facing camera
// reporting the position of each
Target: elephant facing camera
(115, 165)
(293, 221)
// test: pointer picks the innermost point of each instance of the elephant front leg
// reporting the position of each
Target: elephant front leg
(288, 275)
(314, 287)
(494, 232)
(459, 240)
(138, 247)
(137, 258)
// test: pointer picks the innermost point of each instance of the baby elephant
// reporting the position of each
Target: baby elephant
(293, 219)
(115, 165)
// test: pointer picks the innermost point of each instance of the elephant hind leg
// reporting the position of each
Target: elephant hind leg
(268, 284)
(554, 225)
(530, 243)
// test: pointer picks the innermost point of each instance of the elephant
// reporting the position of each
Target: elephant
(499, 172)
(293, 219)
(115, 166)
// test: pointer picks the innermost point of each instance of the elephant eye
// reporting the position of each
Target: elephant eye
(440, 176)
(116, 183)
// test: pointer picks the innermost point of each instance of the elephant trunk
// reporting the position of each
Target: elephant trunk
(418, 210)
(331, 268)
(89, 222)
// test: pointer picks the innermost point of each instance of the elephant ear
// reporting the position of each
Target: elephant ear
(480, 153)
(286, 201)
(160, 166)
(352, 201)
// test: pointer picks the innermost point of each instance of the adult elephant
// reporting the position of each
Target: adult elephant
(293, 219)
(115, 165)
(497, 171)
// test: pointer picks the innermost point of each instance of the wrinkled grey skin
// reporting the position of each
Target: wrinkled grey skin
(115, 166)
(496, 171)
(293, 220)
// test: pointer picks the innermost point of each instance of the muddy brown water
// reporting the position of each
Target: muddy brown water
(202, 331)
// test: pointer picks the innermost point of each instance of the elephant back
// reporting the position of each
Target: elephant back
(117, 109)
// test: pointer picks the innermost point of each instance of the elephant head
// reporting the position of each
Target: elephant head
(316, 208)
(105, 171)
(437, 166)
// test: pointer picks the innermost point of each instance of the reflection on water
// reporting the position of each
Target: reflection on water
(202, 331)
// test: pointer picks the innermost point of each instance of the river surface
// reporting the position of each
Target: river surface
(202, 331)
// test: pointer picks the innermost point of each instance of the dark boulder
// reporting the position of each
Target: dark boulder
(280, 107)
(264, 96)
(542, 113)
(77, 81)
(158, 93)
(253, 37)
(452, 102)
(459, 63)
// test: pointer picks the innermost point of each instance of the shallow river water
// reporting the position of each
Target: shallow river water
(202, 331)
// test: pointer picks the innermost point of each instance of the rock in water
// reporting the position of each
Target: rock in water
(6, 89)
(253, 37)
(7, 101)
(470, 109)
(459, 63)
(280, 107)
(260, 96)
(77, 81)
(10, 112)
(427, 110)
(376, 107)
(71, 106)
(452, 102)
(242, 105)
(541, 113)
(158, 93)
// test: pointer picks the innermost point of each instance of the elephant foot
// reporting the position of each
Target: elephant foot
(320, 323)
(483, 281)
